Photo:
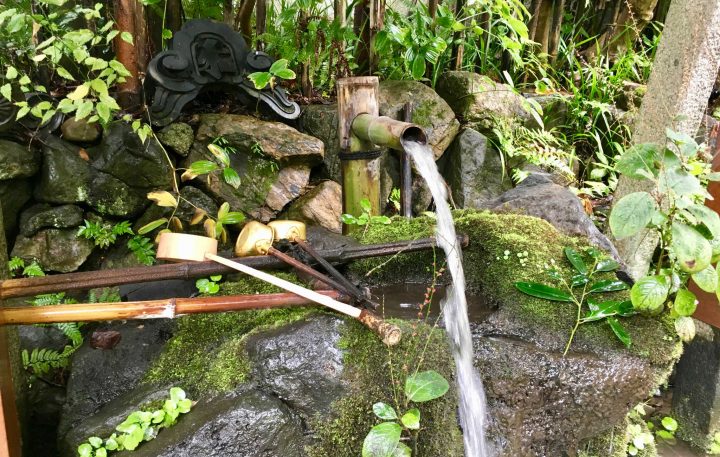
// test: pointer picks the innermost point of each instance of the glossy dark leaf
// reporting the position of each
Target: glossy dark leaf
(543, 291)
(607, 285)
(579, 280)
(576, 260)
(619, 331)
(607, 265)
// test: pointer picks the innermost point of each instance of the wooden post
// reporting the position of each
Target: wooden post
(131, 19)
(260, 23)
(10, 436)
(360, 177)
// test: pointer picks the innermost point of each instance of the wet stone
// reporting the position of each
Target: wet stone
(42, 216)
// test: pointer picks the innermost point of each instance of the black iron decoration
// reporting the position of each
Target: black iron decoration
(207, 54)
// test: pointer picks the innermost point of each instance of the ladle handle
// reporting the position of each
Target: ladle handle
(389, 333)
(290, 287)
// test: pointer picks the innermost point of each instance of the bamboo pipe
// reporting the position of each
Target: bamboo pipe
(27, 287)
(389, 333)
(385, 131)
(153, 309)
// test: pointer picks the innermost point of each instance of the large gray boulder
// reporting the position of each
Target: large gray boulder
(291, 182)
(277, 141)
(58, 250)
(177, 136)
(429, 111)
(65, 175)
(537, 195)
(321, 122)
(474, 170)
(480, 100)
(17, 161)
(111, 196)
(124, 156)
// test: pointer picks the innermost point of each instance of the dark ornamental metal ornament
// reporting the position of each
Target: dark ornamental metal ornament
(206, 54)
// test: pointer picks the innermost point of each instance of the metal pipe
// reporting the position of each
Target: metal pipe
(26, 287)
(153, 309)
(386, 132)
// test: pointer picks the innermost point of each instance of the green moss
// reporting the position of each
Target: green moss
(614, 443)
(489, 274)
(378, 374)
(424, 113)
(207, 352)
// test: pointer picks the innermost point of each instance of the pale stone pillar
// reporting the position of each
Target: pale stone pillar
(687, 61)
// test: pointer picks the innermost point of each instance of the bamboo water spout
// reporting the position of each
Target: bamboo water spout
(386, 132)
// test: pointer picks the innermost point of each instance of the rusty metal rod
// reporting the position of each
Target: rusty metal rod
(25, 287)
(153, 309)
(298, 265)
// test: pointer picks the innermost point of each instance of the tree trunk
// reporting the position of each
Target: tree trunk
(243, 20)
(432, 8)
(685, 67)
(542, 32)
(554, 36)
(633, 17)
(361, 27)
(534, 17)
(228, 12)
(130, 17)
(662, 10)
(458, 50)
(260, 22)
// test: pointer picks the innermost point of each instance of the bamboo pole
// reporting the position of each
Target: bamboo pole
(153, 309)
(26, 287)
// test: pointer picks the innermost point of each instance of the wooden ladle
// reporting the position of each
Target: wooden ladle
(181, 247)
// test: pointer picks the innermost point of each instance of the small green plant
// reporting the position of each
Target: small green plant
(714, 448)
(689, 232)
(17, 267)
(209, 285)
(581, 290)
(385, 438)
(221, 150)
(267, 166)
(665, 429)
(104, 234)
(143, 249)
(138, 427)
(394, 199)
(278, 70)
(365, 219)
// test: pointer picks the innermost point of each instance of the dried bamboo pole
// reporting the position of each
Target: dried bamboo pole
(154, 309)
(26, 287)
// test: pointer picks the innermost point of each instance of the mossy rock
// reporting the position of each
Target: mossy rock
(378, 374)
(542, 403)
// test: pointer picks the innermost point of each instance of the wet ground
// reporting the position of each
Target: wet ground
(679, 450)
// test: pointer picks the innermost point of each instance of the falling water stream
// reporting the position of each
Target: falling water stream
(473, 410)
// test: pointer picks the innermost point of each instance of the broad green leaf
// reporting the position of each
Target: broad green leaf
(278, 65)
(707, 217)
(85, 450)
(602, 310)
(576, 260)
(149, 227)
(223, 210)
(418, 67)
(631, 214)
(84, 109)
(402, 450)
(220, 154)
(607, 285)
(543, 291)
(233, 217)
(231, 177)
(411, 419)
(95, 441)
(685, 302)
(260, 79)
(127, 37)
(706, 279)
(6, 91)
(103, 112)
(648, 294)
(286, 74)
(685, 328)
(639, 161)
(384, 411)
(185, 404)
(198, 168)
(11, 73)
(177, 394)
(680, 182)
(111, 444)
(607, 265)
(425, 386)
(79, 93)
(163, 198)
(692, 251)
(382, 440)
(579, 280)
(669, 423)
(619, 331)
(99, 86)
(102, 452)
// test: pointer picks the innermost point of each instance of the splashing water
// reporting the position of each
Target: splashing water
(472, 395)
